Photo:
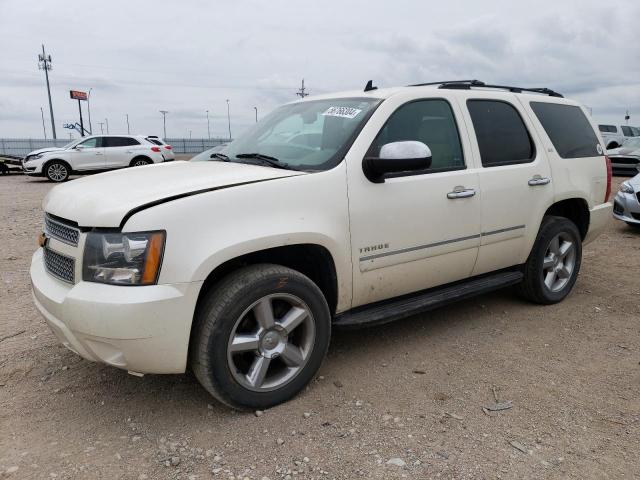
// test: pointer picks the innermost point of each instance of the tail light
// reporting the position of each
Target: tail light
(155, 149)
(606, 197)
(168, 147)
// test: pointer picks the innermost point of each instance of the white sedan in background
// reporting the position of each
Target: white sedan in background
(94, 153)
(626, 158)
(626, 205)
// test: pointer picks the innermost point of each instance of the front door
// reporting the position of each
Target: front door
(419, 229)
(87, 155)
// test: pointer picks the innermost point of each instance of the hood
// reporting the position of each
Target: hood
(45, 150)
(624, 151)
(104, 200)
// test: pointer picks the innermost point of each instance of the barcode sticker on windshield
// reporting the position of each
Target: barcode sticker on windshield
(344, 112)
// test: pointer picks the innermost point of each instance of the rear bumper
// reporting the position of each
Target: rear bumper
(599, 218)
(141, 329)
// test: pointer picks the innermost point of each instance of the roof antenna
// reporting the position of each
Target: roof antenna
(369, 86)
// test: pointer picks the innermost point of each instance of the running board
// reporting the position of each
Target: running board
(408, 305)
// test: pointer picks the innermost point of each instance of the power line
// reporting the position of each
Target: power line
(44, 63)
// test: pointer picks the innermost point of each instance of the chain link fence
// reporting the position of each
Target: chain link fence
(20, 147)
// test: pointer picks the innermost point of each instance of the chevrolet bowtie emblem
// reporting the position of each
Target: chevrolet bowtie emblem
(43, 239)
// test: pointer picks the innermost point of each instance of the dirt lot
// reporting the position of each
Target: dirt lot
(399, 401)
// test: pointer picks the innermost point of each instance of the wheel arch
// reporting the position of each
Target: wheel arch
(313, 260)
(46, 164)
(140, 157)
(575, 209)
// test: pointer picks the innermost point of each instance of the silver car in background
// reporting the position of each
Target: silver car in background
(626, 158)
(626, 205)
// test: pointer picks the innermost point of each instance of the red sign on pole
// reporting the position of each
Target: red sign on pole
(78, 95)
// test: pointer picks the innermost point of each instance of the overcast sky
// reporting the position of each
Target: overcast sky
(140, 57)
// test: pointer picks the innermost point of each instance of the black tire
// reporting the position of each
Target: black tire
(4, 170)
(635, 226)
(57, 171)
(218, 316)
(533, 287)
(140, 161)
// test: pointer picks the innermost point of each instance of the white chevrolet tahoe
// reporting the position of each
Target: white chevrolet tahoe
(341, 210)
(95, 153)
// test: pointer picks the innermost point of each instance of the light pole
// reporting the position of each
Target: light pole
(44, 63)
(229, 118)
(189, 134)
(128, 130)
(101, 129)
(164, 122)
(43, 127)
(208, 126)
(256, 109)
(89, 111)
(106, 121)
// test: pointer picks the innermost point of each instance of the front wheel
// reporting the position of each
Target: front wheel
(554, 262)
(260, 336)
(57, 171)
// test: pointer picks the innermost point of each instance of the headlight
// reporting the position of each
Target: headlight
(123, 258)
(33, 157)
(625, 187)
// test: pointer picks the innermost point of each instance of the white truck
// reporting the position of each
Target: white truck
(340, 210)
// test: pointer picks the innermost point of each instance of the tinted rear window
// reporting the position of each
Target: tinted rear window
(119, 141)
(154, 141)
(502, 136)
(608, 128)
(568, 128)
(627, 131)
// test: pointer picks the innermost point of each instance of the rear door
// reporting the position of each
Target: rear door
(515, 178)
(119, 151)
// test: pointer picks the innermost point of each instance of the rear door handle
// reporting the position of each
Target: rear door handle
(461, 192)
(538, 180)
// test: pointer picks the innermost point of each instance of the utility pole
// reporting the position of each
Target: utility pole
(256, 109)
(101, 129)
(89, 111)
(302, 92)
(208, 126)
(164, 122)
(43, 127)
(627, 116)
(189, 134)
(44, 63)
(229, 118)
(106, 121)
(128, 130)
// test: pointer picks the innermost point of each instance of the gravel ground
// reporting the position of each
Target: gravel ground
(397, 401)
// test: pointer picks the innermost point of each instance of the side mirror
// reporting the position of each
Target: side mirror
(79, 147)
(395, 157)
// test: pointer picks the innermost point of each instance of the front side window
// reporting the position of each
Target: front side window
(503, 139)
(310, 135)
(568, 129)
(90, 143)
(430, 122)
(119, 142)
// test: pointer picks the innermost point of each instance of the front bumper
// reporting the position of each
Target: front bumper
(599, 217)
(140, 329)
(626, 207)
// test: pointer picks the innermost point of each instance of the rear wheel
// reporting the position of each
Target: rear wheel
(139, 162)
(57, 171)
(634, 225)
(554, 262)
(260, 336)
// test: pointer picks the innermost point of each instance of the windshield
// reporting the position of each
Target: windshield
(311, 135)
(631, 143)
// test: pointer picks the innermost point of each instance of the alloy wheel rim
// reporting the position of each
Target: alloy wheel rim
(57, 172)
(559, 262)
(139, 163)
(271, 342)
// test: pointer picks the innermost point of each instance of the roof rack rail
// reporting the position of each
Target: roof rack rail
(468, 84)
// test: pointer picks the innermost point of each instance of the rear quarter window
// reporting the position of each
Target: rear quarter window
(568, 128)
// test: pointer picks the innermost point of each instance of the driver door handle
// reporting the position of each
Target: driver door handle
(461, 192)
(538, 180)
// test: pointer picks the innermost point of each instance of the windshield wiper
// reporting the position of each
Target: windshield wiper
(219, 156)
(272, 161)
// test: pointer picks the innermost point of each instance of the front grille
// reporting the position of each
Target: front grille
(61, 231)
(59, 265)
(625, 160)
(635, 215)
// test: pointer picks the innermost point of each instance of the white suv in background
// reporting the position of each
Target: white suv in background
(390, 202)
(167, 150)
(97, 152)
